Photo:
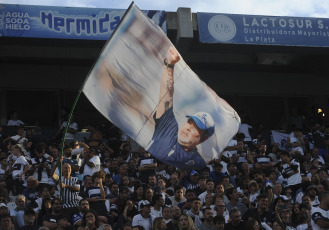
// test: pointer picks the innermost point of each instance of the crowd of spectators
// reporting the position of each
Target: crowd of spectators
(110, 182)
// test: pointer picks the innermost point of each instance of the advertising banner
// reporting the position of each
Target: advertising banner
(64, 22)
(263, 30)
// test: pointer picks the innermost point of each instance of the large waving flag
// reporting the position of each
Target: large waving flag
(142, 85)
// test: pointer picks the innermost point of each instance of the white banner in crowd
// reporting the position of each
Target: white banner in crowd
(143, 86)
(281, 139)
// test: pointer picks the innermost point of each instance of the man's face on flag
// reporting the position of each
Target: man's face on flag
(189, 135)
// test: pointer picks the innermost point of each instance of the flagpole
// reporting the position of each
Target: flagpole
(77, 98)
(63, 140)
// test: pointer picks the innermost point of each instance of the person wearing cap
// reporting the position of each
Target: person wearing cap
(145, 218)
(190, 181)
(170, 144)
(296, 150)
(3, 209)
(311, 191)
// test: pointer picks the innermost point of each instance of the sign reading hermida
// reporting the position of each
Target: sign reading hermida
(64, 22)
(263, 30)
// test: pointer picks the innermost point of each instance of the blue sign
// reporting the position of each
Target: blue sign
(263, 30)
(64, 22)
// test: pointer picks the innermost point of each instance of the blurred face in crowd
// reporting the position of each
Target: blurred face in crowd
(152, 180)
(245, 166)
(6, 223)
(175, 212)
(276, 226)
(220, 208)
(166, 213)
(179, 194)
(219, 189)
(139, 191)
(174, 179)
(277, 189)
(210, 186)
(29, 219)
(208, 215)
(149, 194)
(202, 182)
(127, 227)
(64, 223)
(124, 195)
(306, 200)
(183, 222)
(189, 196)
(209, 200)
(84, 206)
(67, 170)
(114, 189)
(196, 205)
(220, 225)
(57, 207)
(161, 183)
(132, 163)
(262, 148)
(263, 203)
(235, 218)
(31, 182)
(146, 210)
(235, 195)
(20, 203)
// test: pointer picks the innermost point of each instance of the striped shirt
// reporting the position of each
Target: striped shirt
(70, 198)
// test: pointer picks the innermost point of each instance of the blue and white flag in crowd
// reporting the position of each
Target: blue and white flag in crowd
(281, 139)
(143, 86)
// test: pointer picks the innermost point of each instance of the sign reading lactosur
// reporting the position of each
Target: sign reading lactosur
(64, 22)
(263, 30)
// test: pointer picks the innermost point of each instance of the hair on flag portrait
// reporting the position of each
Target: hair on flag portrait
(142, 85)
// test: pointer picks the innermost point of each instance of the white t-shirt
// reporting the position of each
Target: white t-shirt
(318, 213)
(139, 220)
(203, 195)
(295, 178)
(156, 213)
(18, 166)
(302, 227)
(90, 171)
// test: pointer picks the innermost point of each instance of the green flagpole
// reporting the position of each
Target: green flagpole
(63, 140)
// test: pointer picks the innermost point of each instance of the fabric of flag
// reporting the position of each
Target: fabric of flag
(281, 139)
(143, 86)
